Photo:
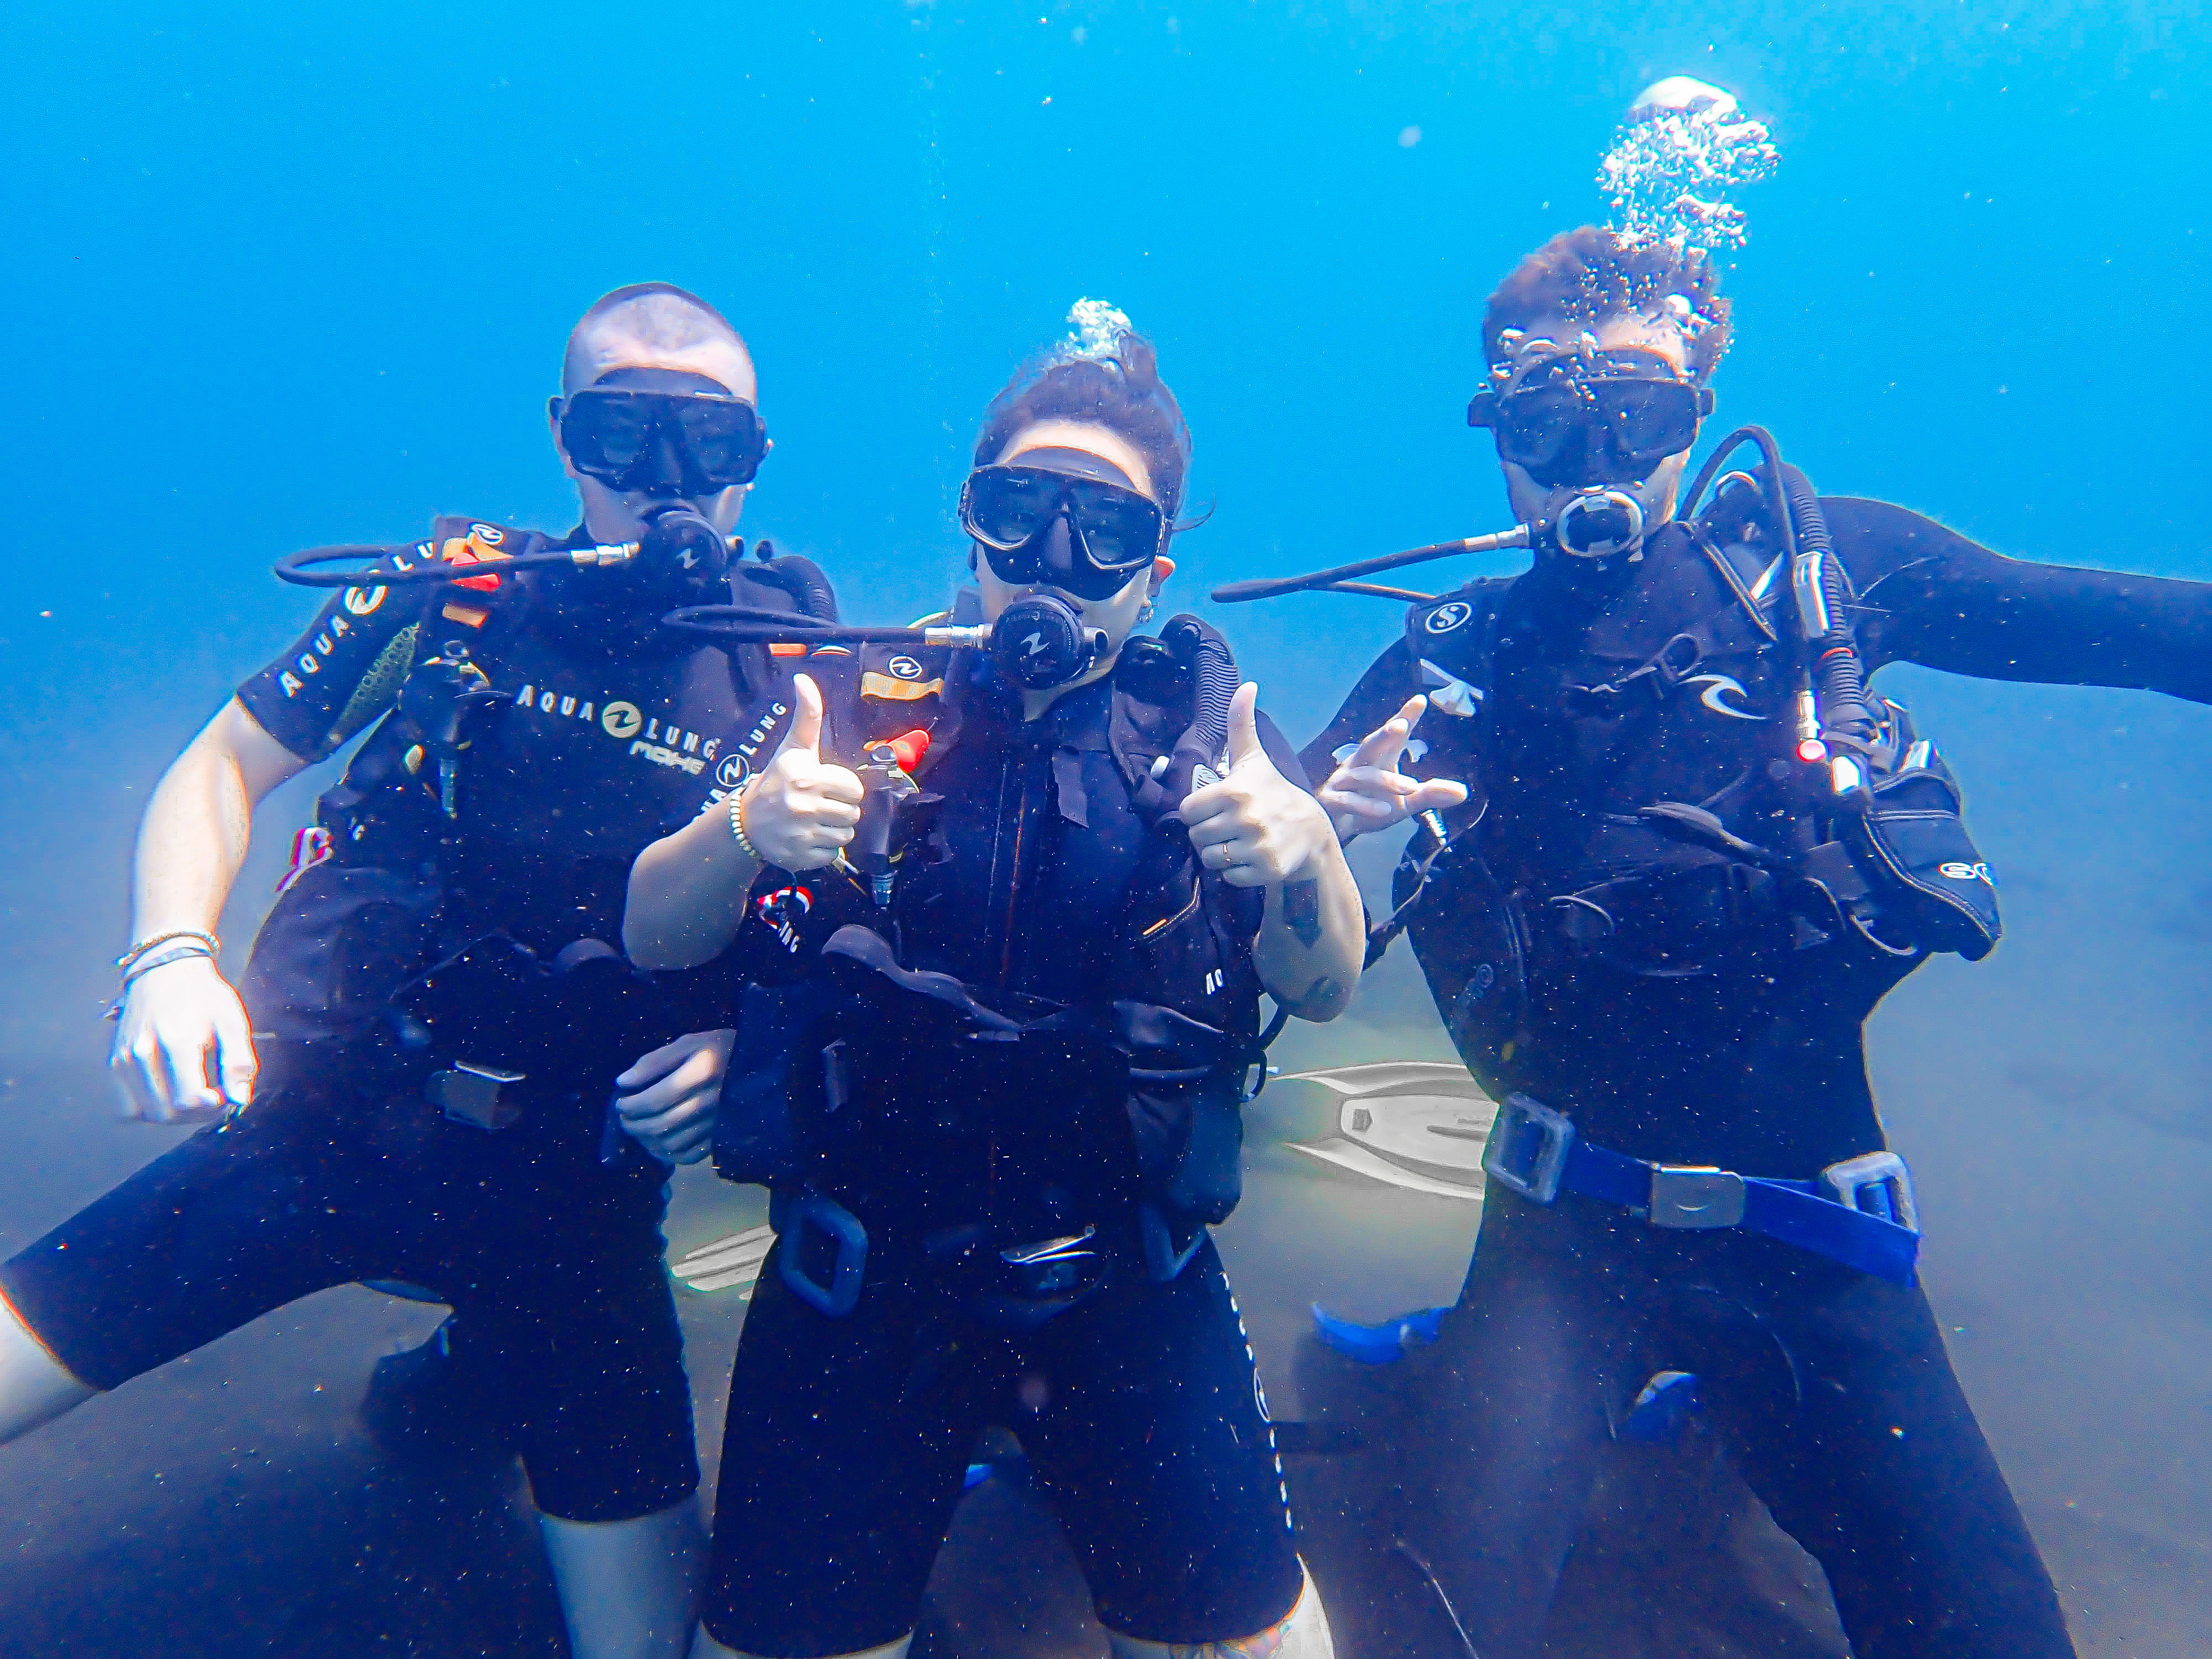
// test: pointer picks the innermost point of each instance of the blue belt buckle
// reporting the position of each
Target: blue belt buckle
(1876, 1184)
(1527, 1152)
(809, 1214)
(1695, 1196)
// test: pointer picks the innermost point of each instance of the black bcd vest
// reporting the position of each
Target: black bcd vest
(1760, 862)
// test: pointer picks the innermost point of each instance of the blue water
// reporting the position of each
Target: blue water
(277, 278)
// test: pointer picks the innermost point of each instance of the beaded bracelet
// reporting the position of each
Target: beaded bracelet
(131, 956)
(738, 829)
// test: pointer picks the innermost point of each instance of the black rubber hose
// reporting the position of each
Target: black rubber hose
(1213, 682)
(1842, 676)
(803, 580)
(308, 568)
(1214, 677)
(754, 624)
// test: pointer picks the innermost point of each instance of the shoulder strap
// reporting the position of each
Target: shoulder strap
(1454, 643)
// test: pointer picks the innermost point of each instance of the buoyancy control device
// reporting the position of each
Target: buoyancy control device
(1863, 835)
(847, 1035)
(490, 1023)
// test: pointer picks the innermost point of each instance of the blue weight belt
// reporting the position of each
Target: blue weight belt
(1861, 1212)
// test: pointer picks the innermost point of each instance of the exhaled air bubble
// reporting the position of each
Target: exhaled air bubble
(1673, 166)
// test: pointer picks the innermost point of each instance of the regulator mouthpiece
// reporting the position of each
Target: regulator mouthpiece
(1598, 523)
(1040, 641)
(680, 542)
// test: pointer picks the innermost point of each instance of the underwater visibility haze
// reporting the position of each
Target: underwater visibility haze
(283, 279)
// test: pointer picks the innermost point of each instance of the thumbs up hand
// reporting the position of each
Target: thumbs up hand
(799, 811)
(1255, 826)
(1368, 792)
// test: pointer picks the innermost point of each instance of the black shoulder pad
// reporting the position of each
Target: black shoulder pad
(1450, 626)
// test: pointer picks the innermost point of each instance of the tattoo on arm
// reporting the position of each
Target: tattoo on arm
(1301, 910)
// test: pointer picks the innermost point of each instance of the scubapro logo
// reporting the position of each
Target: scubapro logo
(1719, 687)
(733, 772)
(621, 719)
(1962, 872)
(363, 600)
(905, 668)
(1446, 618)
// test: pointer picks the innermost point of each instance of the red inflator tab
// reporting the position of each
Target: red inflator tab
(909, 749)
(1812, 752)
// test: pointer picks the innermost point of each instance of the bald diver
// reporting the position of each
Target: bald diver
(412, 1079)
(1691, 852)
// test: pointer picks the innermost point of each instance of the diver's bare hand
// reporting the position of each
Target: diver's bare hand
(1367, 792)
(1255, 826)
(799, 812)
(184, 1048)
(670, 1096)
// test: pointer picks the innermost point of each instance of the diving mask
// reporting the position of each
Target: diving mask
(1575, 419)
(661, 432)
(1063, 518)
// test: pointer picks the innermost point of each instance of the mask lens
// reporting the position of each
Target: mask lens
(1120, 528)
(1537, 426)
(1650, 419)
(604, 430)
(1005, 506)
(722, 440)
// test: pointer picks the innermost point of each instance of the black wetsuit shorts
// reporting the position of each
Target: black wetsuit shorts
(1139, 1409)
(552, 1262)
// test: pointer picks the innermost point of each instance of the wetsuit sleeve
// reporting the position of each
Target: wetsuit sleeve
(340, 674)
(1946, 602)
(1394, 676)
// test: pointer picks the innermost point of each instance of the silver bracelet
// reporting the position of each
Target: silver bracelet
(180, 950)
(738, 829)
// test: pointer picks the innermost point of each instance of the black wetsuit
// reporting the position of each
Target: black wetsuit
(1028, 875)
(1832, 1385)
(341, 1169)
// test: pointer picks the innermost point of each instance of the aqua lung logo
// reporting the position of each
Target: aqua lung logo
(293, 677)
(649, 740)
(746, 753)
(905, 668)
(1446, 618)
(1961, 871)
(781, 912)
(363, 600)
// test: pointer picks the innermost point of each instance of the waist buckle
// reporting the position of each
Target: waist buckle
(1691, 1195)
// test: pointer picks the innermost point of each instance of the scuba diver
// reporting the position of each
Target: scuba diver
(997, 914)
(1694, 851)
(412, 1081)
